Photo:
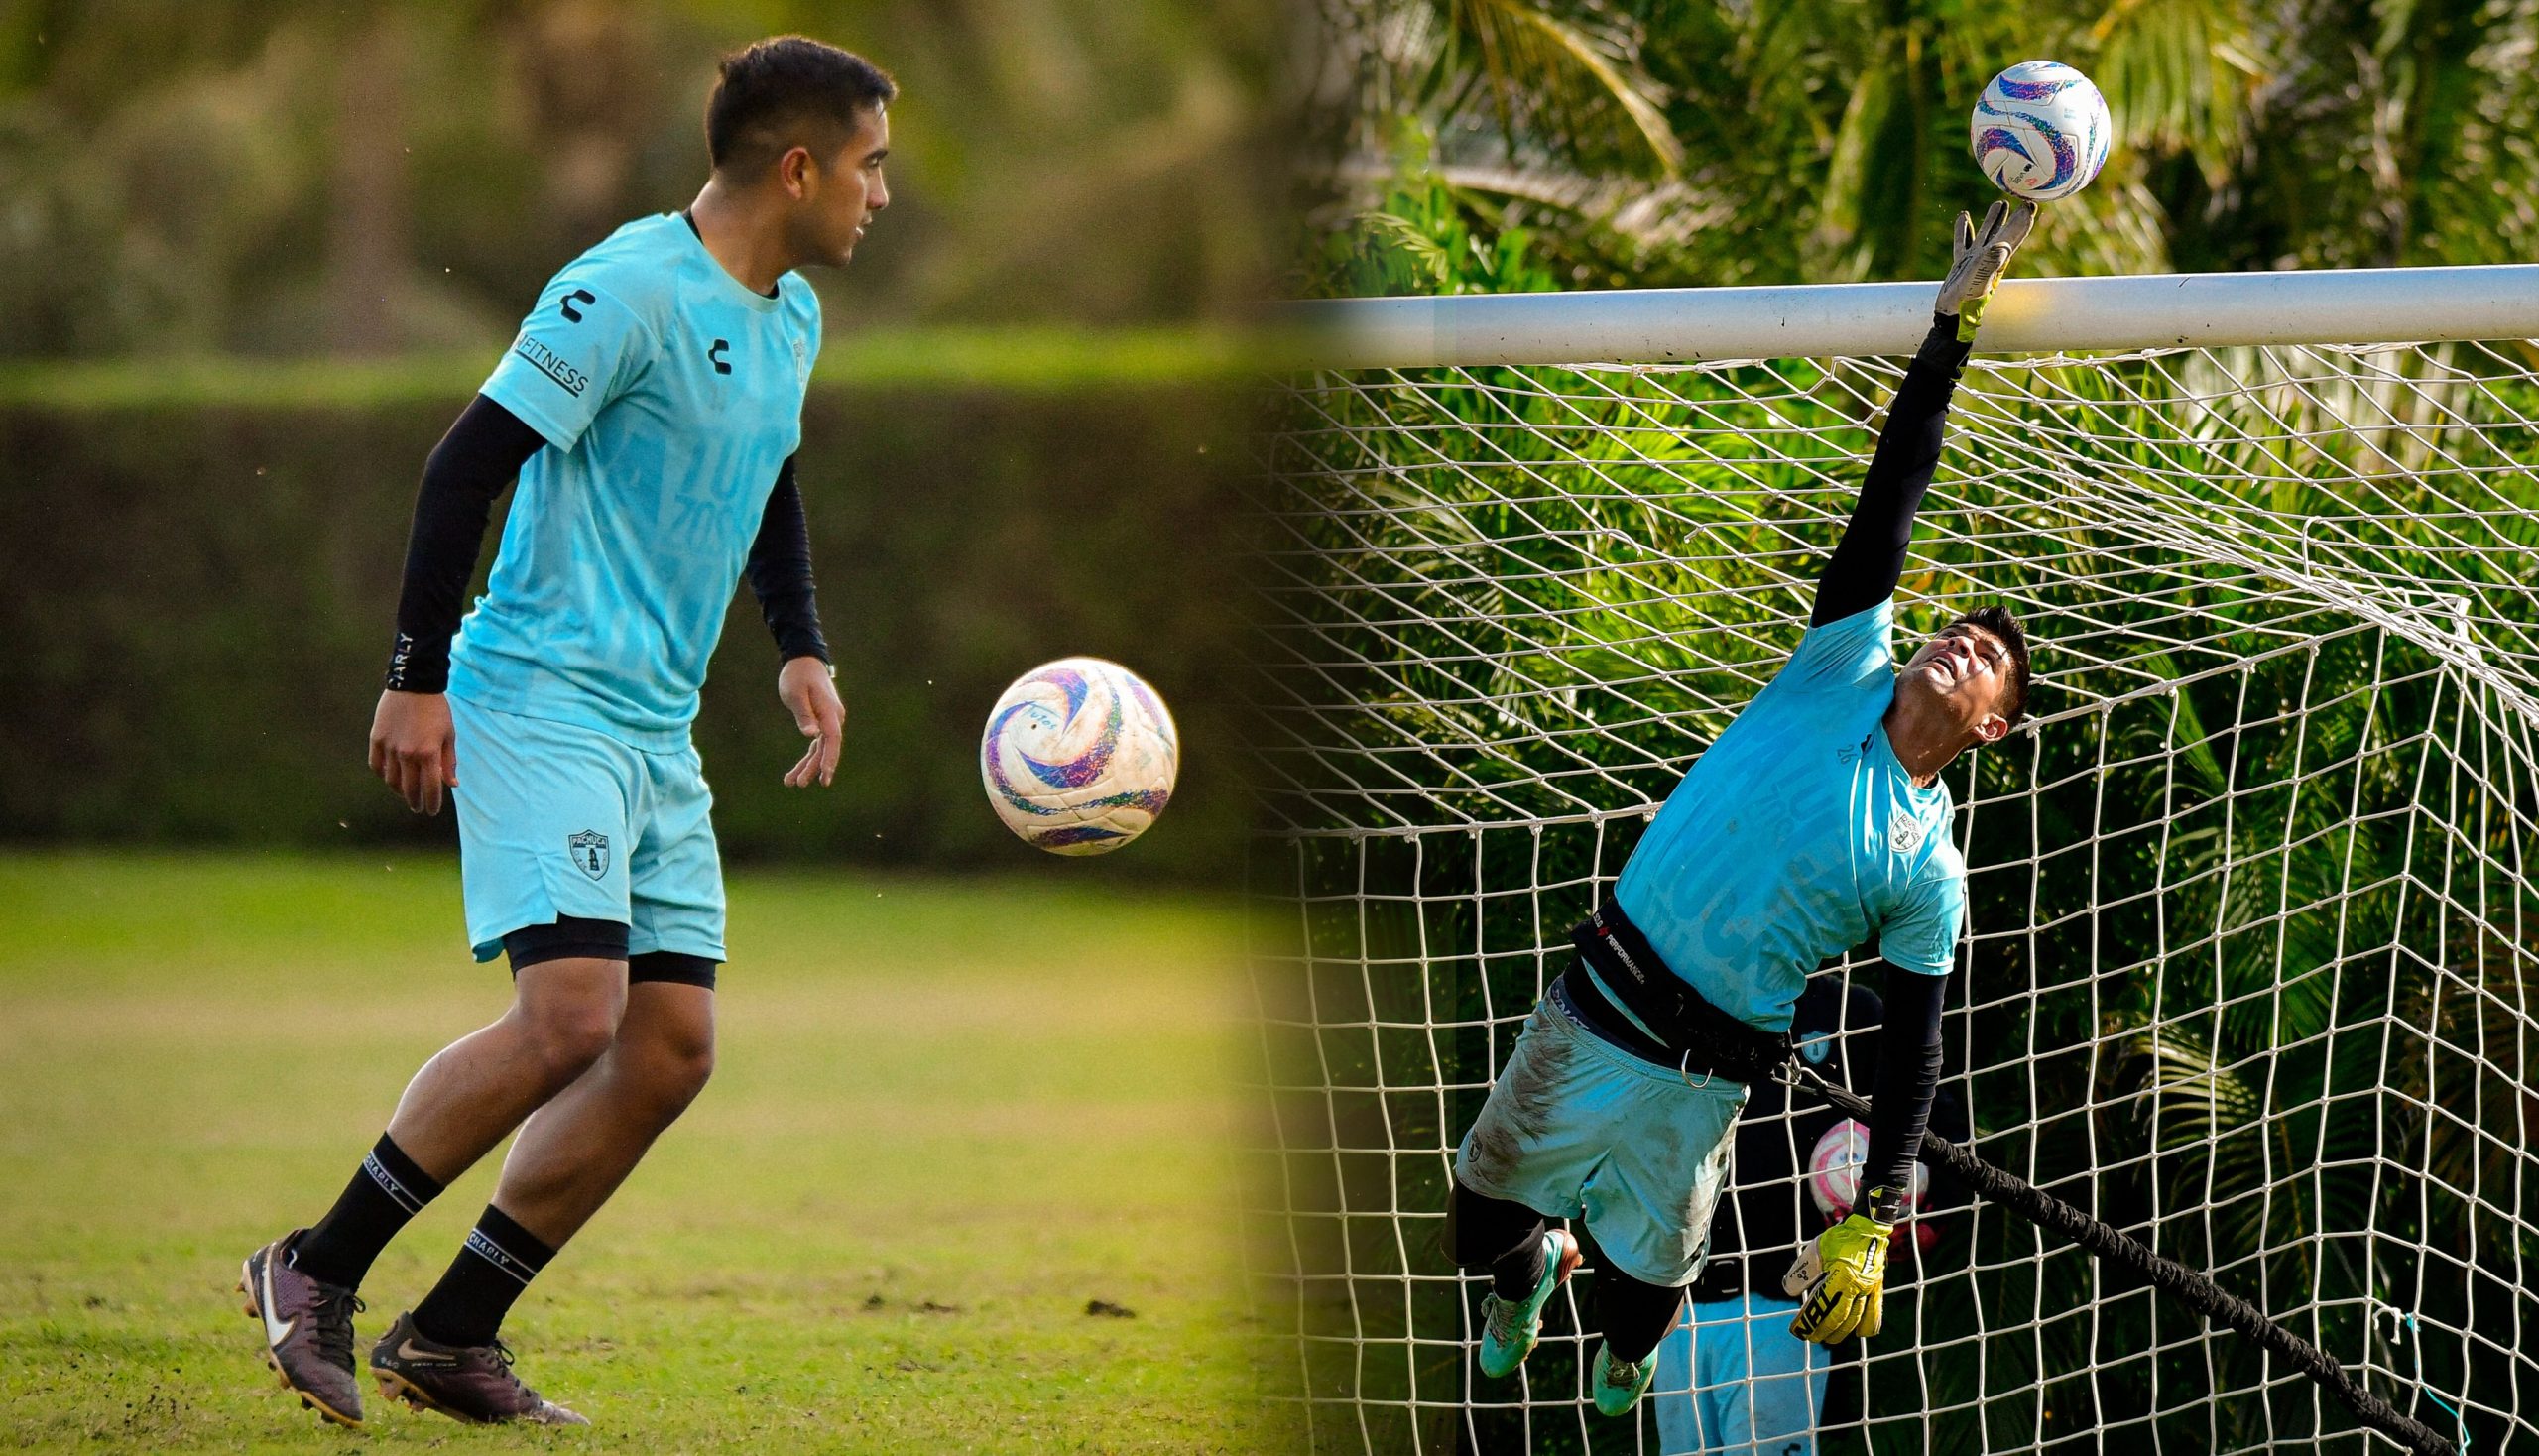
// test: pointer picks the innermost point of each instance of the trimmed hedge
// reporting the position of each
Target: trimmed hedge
(197, 601)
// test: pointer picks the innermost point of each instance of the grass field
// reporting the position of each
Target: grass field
(947, 1116)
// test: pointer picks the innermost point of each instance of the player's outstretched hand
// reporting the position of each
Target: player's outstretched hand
(414, 748)
(1840, 1279)
(812, 699)
(1981, 257)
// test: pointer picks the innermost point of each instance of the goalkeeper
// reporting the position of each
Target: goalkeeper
(1816, 822)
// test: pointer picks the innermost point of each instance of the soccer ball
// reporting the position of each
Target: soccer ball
(1834, 1173)
(1079, 756)
(2041, 131)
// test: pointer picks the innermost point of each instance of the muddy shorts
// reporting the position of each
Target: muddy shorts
(1578, 1127)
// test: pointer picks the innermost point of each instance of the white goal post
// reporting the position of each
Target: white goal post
(2348, 305)
(2252, 968)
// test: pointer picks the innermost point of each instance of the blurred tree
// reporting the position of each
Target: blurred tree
(367, 236)
(587, 76)
(290, 176)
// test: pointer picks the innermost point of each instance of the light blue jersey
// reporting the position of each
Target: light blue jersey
(670, 397)
(1798, 836)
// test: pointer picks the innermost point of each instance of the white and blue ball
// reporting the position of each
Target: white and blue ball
(1079, 756)
(2041, 131)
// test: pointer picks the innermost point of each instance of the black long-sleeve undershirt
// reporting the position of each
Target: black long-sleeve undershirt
(1869, 560)
(1908, 1077)
(462, 478)
(780, 572)
(468, 471)
(1863, 571)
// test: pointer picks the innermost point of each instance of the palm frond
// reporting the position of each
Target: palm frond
(1427, 254)
(1538, 64)
(2179, 75)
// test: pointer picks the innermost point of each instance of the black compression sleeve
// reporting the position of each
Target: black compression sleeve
(462, 479)
(1908, 1073)
(780, 574)
(1871, 558)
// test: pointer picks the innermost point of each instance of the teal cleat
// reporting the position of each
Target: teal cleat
(1508, 1329)
(1619, 1384)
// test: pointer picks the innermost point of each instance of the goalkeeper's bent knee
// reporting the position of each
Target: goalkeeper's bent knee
(1482, 1230)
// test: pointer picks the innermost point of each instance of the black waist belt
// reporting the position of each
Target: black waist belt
(1692, 1034)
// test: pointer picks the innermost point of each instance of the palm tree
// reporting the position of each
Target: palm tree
(1824, 141)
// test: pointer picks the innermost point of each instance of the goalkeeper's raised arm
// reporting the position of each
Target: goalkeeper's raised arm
(1951, 693)
(1871, 558)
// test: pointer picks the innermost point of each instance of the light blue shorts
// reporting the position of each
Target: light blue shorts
(1733, 1380)
(556, 820)
(1575, 1127)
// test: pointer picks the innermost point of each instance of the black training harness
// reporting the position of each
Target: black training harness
(1694, 1036)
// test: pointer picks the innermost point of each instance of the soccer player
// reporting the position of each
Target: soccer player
(651, 407)
(1732, 1379)
(1816, 821)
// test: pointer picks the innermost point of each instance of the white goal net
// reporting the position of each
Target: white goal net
(2253, 934)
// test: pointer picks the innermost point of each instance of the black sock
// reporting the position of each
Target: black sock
(1505, 1235)
(386, 1190)
(496, 1264)
(1634, 1316)
(1520, 1273)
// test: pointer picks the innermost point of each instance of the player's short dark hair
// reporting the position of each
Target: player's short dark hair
(787, 91)
(2001, 624)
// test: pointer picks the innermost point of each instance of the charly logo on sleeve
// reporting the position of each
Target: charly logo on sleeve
(589, 850)
(1904, 831)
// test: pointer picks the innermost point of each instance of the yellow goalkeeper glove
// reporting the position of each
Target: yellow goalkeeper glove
(1979, 258)
(1839, 1278)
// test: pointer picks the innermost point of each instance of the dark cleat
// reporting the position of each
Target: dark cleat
(307, 1331)
(473, 1384)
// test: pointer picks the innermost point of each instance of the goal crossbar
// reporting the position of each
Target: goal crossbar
(2362, 305)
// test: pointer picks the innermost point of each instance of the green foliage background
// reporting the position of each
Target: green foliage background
(197, 618)
(254, 257)
(1672, 142)
(286, 177)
